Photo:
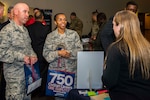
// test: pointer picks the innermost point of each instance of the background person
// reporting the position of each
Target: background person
(101, 20)
(2, 80)
(76, 24)
(107, 34)
(95, 27)
(38, 33)
(94, 30)
(32, 19)
(1, 12)
(10, 16)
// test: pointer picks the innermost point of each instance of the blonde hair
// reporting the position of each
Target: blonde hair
(2, 4)
(132, 42)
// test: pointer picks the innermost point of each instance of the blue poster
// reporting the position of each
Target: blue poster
(59, 83)
(32, 77)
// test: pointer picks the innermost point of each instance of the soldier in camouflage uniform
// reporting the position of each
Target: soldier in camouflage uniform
(76, 24)
(15, 51)
(64, 43)
(95, 27)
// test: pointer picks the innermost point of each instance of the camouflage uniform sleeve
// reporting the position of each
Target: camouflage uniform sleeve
(31, 51)
(78, 46)
(95, 29)
(79, 25)
(7, 54)
(49, 54)
(72, 26)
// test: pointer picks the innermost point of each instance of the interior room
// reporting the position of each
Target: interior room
(84, 9)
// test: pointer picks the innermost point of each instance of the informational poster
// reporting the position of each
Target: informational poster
(59, 83)
(89, 69)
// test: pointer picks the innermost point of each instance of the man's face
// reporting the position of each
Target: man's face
(94, 17)
(61, 21)
(132, 8)
(1, 11)
(23, 14)
(72, 17)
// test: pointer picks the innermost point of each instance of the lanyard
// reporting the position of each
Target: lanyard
(33, 73)
(61, 63)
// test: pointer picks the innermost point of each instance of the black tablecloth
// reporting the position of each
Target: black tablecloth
(74, 95)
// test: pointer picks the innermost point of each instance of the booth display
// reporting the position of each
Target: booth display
(89, 73)
(89, 69)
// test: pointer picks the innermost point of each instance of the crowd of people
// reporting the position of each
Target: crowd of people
(25, 40)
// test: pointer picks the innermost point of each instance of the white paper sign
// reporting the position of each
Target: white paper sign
(89, 69)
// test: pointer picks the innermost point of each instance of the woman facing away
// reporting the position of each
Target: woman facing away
(127, 63)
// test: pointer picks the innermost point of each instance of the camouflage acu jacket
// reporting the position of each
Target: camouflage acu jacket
(70, 41)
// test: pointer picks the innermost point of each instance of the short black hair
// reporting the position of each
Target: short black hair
(57, 15)
(131, 3)
(94, 12)
(73, 14)
(36, 9)
(9, 9)
(101, 16)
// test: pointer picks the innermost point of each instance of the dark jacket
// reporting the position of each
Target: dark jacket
(107, 34)
(98, 44)
(5, 23)
(38, 33)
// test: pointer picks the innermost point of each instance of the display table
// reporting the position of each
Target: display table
(103, 96)
(74, 95)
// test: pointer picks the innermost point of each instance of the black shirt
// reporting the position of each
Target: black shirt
(117, 79)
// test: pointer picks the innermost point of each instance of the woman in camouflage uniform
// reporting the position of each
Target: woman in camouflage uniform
(64, 43)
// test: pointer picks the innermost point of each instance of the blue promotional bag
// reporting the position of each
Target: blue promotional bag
(59, 83)
(32, 77)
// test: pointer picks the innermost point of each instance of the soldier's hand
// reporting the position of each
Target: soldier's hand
(64, 53)
(26, 60)
(33, 60)
(67, 55)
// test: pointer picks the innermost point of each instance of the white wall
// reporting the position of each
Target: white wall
(83, 8)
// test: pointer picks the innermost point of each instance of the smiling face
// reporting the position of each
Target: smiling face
(61, 21)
